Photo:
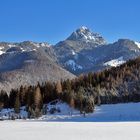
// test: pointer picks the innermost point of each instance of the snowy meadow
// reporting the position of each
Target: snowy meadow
(69, 131)
(119, 121)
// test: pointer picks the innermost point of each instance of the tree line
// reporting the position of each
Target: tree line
(114, 85)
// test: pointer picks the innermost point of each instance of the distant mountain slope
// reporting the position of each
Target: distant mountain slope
(86, 51)
(83, 51)
(27, 63)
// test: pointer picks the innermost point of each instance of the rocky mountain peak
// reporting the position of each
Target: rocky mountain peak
(86, 35)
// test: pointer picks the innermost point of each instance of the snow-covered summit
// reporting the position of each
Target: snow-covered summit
(85, 34)
(84, 27)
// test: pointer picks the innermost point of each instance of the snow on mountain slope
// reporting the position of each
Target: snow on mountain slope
(22, 46)
(73, 65)
(138, 44)
(94, 54)
(73, 52)
(1, 52)
(86, 35)
(28, 63)
(115, 62)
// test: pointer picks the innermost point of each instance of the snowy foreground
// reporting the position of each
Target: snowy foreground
(69, 131)
(108, 122)
(103, 113)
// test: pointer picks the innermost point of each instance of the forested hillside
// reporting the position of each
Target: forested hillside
(115, 85)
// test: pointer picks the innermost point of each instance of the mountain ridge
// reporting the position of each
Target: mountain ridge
(80, 56)
(83, 51)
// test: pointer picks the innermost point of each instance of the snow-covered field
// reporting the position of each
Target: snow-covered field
(117, 122)
(103, 113)
(69, 131)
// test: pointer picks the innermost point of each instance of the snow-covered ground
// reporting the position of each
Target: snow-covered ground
(6, 114)
(116, 113)
(117, 122)
(104, 113)
(69, 131)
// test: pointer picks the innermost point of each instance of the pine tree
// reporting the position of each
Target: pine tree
(79, 99)
(88, 104)
(58, 89)
(38, 102)
(29, 99)
(17, 104)
(23, 91)
(98, 95)
(72, 103)
(12, 97)
(4, 99)
(67, 85)
(37, 97)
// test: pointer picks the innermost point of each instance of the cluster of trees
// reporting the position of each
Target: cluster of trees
(120, 84)
(33, 97)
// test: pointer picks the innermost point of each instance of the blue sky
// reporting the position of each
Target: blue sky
(54, 20)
